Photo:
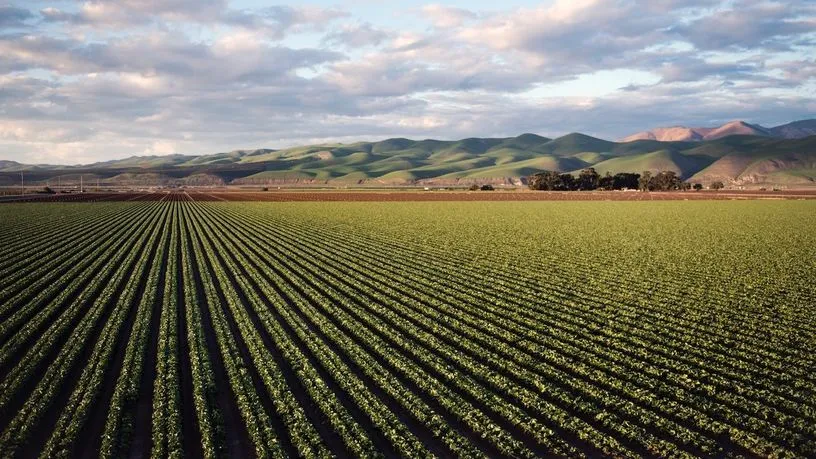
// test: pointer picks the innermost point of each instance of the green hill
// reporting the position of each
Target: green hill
(735, 160)
(576, 143)
(661, 160)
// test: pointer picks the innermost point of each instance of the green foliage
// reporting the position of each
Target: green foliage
(665, 181)
(644, 181)
(512, 329)
(546, 181)
(588, 179)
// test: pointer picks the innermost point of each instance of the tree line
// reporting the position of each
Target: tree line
(590, 179)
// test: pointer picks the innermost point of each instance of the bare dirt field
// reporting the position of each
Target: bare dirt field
(388, 196)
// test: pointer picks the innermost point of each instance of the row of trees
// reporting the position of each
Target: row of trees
(590, 179)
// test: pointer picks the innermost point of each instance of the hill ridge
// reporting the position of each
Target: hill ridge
(735, 159)
(793, 130)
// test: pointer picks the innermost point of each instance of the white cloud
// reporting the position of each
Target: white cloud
(447, 17)
(161, 148)
(356, 35)
(103, 78)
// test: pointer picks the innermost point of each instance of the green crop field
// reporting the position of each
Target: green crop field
(500, 329)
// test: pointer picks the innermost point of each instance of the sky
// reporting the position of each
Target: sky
(105, 79)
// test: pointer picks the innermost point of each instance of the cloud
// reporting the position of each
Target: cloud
(571, 37)
(275, 21)
(356, 35)
(232, 57)
(27, 132)
(104, 13)
(797, 71)
(13, 17)
(751, 24)
(447, 17)
(694, 69)
(101, 78)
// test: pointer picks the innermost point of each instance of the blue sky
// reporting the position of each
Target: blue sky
(82, 81)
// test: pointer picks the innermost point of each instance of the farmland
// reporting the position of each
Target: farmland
(202, 328)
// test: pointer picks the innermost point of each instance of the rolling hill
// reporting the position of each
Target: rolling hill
(746, 161)
(734, 159)
(660, 160)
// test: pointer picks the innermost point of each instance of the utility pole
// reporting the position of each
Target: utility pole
(81, 189)
(22, 183)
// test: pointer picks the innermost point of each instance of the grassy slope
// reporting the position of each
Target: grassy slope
(738, 159)
(661, 160)
(747, 160)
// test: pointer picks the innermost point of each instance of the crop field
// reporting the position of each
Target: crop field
(408, 329)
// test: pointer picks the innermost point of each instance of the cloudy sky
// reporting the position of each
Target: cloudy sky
(104, 79)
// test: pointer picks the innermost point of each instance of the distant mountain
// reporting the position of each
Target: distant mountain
(794, 130)
(735, 159)
(8, 164)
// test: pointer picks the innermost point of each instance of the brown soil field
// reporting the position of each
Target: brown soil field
(390, 196)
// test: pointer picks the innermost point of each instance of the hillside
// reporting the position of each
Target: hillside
(734, 159)
(784, 162)
(661, 160)
(794, 130)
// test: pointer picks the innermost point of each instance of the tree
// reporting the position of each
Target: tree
(607, 182)
(588, 179)
(665, 181)
(545, 181)
(644, 180)
(625, 180)
(685, 186)
(717, 185)
(474, 187)
(698, 187)
(487, 187)
(568, 183)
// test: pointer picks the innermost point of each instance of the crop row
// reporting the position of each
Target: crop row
(184, 328)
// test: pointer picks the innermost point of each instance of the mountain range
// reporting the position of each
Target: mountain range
(742, 158)
(794, 130)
